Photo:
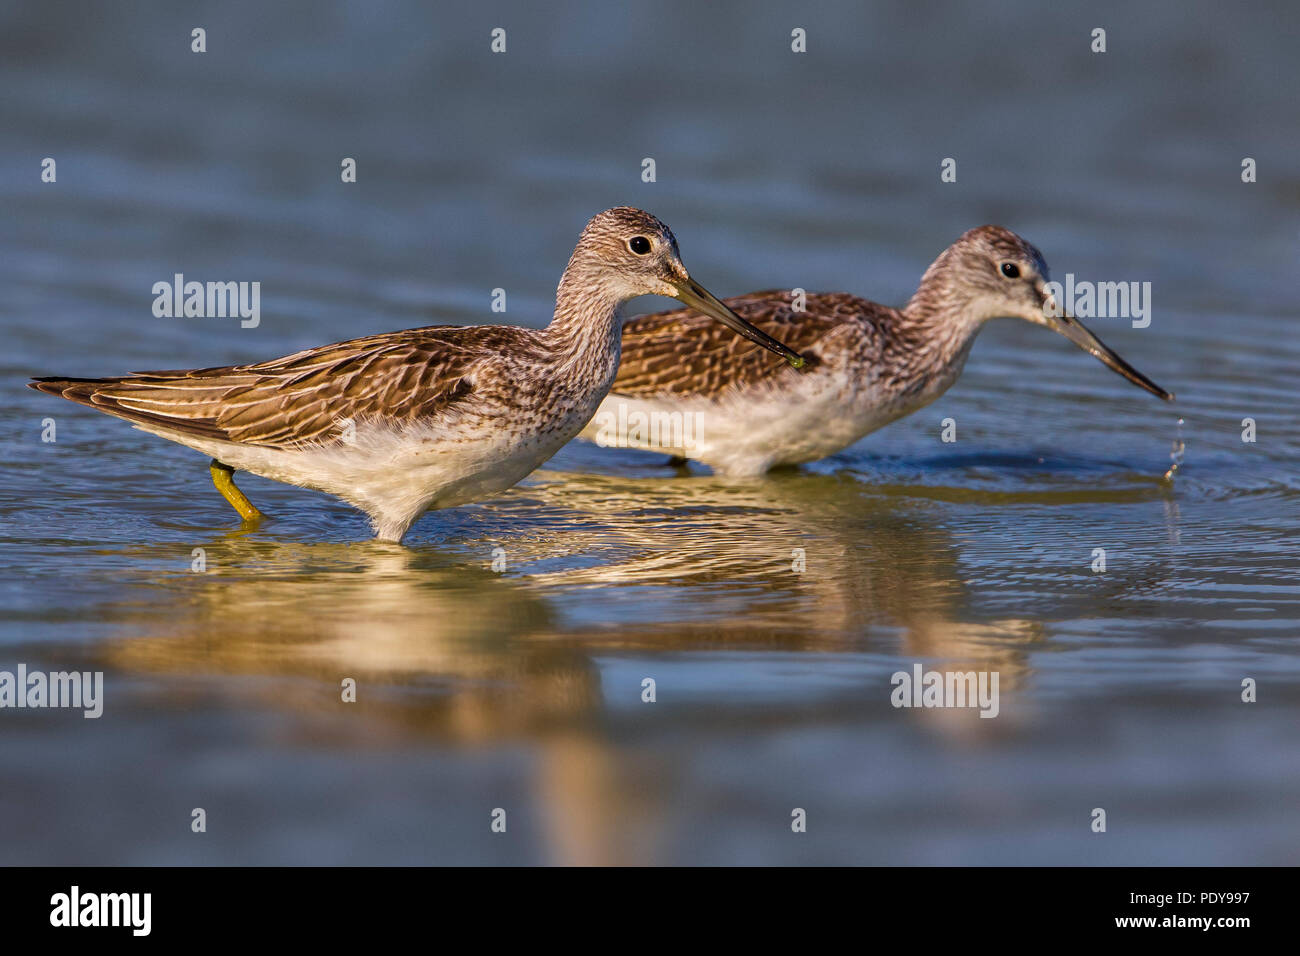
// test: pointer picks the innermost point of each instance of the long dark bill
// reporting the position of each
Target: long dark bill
(702, 300)
(1078, 333)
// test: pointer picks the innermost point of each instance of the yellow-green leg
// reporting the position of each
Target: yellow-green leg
(223, 478)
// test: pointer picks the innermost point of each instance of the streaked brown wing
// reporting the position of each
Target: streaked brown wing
(685, 353)
(399, 376)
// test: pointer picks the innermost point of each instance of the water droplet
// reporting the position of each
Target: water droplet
(1176, 454)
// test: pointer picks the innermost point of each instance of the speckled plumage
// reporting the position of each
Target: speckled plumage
(867, 364)
(425, 418)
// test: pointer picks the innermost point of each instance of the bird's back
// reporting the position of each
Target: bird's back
(682, 353)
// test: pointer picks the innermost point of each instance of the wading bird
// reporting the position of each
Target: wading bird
(398, 423)
(867, 364)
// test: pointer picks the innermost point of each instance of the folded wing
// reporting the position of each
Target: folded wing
(300, 399)
(685, 353)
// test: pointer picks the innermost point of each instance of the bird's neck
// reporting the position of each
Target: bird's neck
(934, 333)
(943, 313)
(585, 333)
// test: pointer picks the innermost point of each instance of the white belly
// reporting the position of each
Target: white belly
(748, 432)
(395, 474)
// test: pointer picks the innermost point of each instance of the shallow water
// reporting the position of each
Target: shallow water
(521, 689)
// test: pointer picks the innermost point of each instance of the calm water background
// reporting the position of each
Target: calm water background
(522, 690)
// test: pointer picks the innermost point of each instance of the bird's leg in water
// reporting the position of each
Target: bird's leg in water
(223, 478)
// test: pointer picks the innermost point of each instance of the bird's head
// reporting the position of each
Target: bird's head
(627, 252)
(990, 272)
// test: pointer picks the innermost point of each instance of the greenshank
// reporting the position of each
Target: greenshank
(868, 364)
(399, 423)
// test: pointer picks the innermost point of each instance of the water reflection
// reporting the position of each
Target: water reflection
(450, 652)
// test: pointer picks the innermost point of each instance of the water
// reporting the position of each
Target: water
(521, 689)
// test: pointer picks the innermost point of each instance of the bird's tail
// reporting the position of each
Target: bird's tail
(79, 390)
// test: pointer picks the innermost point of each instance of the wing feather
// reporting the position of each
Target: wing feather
(685, 353)
(300, 398)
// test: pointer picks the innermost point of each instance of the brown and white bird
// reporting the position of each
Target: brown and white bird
(398, 423)
(689, 390)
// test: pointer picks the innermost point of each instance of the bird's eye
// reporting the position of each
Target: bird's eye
(639, 244)
(1011, 270)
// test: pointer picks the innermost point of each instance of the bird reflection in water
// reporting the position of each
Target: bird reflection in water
(446, 651)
